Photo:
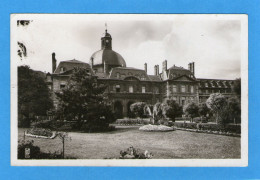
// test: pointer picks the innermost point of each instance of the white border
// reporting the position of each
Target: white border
(150, 162)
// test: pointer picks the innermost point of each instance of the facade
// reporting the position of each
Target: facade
(126, 85)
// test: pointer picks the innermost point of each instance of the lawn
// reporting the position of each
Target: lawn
(164, 145)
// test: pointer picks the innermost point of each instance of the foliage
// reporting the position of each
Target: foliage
(40, 132)
(157, 112)
(218, 104)
(171, 109)
(191, 109)
(203, 109)
(138, 109)
(84, 100)
(234, 109)
(210, 127)
(33, 96)
(34, 150)
(236, 88)
(133, 153)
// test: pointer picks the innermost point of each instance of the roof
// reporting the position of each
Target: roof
(107, 56)
(154, 78)
(124, 72)
(215, 83)
(69, 65)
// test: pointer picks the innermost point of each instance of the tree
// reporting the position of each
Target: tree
(34, 97)
(236, 88)
(191, 109)
(84, 101)
(203, 109)
(138, 109)
(218, 104)
(171, 109)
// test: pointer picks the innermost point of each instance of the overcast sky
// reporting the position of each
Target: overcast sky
(214, 45)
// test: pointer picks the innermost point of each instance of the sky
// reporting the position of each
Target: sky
(213, 44)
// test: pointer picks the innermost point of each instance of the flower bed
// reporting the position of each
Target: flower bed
(132, 121)
(40, 133)
(160, 128)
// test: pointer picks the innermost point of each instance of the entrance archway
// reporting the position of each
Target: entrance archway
(118, 109)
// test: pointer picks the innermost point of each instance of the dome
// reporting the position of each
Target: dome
(107, 56)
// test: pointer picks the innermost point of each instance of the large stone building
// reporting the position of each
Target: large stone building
(126, 85)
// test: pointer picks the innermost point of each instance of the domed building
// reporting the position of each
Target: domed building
(105, 59)
(127, 85)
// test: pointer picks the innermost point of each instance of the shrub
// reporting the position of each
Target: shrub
(34, 150)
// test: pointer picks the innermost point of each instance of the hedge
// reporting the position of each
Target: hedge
(234, 128)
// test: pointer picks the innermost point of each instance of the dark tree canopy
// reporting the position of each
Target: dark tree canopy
(84, 100)
(203, 109)
(138, 109)
(191, 109)
(33, 95)
(171, 109)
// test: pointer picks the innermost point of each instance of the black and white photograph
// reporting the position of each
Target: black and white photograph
(129, 89)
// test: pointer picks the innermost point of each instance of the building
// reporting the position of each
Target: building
(126, 85)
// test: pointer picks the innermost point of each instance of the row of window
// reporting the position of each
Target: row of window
(130, 89)
(207, 91)
(183, 89)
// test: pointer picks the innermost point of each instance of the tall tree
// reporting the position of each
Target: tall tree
(203, 109)
(218, 104)
(171, 109)
(191, 109)
(34, 97)
(84, 100)
(234, 109)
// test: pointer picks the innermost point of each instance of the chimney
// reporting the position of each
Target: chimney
(145, 67)
(164, 65)
(92, 62)
(54, 61)
(193, 68)
(157, 70)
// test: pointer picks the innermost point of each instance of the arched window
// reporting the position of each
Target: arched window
(117, 88)
(117, 75)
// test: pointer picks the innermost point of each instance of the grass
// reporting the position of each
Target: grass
(163, 145)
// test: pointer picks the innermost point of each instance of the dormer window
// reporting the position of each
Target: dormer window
(62, 69)
(117, 88)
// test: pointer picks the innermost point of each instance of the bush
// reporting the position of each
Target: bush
(86, 127)
(35, 152)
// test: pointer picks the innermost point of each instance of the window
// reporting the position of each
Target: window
(183, 89)
(131, 89)
(143, 89)
(49, 78)
(206, 84)
(183, 101)
(156, 90)
(207, 91)
(117, 88)
(192, 89)
(62, 69)
(117, 75)
(174, 88)
(142, 77)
